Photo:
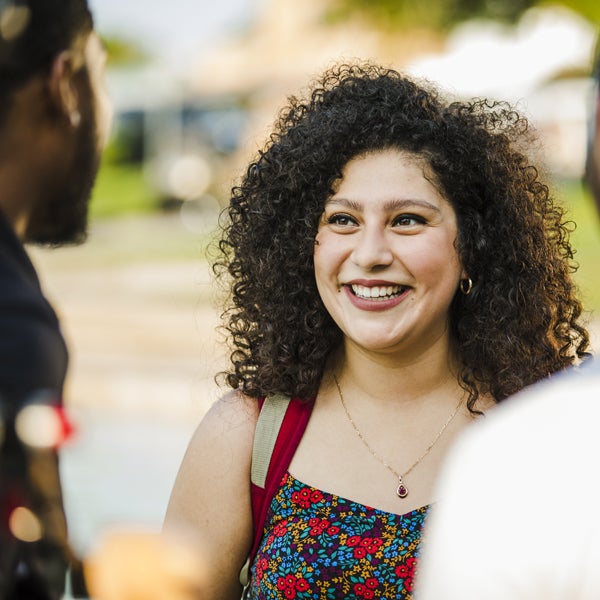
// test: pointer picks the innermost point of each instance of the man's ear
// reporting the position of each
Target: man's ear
(62, 86)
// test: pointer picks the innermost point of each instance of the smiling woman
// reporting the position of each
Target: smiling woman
(396, 267)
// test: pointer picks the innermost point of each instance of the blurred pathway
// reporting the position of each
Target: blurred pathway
(138, 310)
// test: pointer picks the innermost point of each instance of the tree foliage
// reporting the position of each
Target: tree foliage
(123, 52)
(443, 14)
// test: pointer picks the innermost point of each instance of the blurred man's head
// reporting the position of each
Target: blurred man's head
(54, 116)
(592, 167)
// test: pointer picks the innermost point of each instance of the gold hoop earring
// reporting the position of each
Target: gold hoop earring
(466, 285)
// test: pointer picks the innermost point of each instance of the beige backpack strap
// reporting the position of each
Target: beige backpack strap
(267, 429)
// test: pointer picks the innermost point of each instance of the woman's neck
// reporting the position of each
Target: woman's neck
(407, 379)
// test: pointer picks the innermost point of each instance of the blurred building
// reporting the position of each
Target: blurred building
(541, 64)
(289, 44)
(195, 134)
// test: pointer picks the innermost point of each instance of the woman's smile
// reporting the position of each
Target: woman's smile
(375, 296)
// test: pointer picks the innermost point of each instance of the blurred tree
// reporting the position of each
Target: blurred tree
(123, 52)
(588, 8)
(443, 14)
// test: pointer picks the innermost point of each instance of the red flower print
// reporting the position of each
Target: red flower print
(290, 584)
(318, 526)
(316, 496)
(261, 566)
(367, 544)
(327, 537)
(280, 529)
(409, 582)
(281, 584)
(406, 571)
(372, 583)
(302, 498)
(362, 589)
(301, 585)
(402, 571)
(371, 544)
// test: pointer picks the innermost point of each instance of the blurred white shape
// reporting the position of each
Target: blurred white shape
(24, 525)
(40, 426)
(189, 177)
(486, 58)
(523, 65)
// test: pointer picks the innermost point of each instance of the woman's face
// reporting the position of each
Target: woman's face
(385, 260)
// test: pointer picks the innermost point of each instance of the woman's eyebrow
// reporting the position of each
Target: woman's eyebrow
(389, 205)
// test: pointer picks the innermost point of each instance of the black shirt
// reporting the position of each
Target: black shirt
(33, 354)
(33, 359)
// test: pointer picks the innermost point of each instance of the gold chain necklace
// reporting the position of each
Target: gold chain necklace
(401, 490)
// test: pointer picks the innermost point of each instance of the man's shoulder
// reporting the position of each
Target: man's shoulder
(20, 291)
(555, 415)
(565, 392)
(32, 350)
(573, 385)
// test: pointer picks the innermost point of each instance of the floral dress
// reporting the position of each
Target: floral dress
(318, 545)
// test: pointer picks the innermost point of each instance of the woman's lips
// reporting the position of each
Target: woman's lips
(375, 297)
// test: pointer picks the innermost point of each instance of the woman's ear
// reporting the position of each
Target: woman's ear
(62, 86)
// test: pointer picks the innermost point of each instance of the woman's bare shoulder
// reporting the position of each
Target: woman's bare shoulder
(222, 442)
(232, 412)
(211, 496)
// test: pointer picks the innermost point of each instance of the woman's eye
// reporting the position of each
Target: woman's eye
(408, 220)
(341, 219)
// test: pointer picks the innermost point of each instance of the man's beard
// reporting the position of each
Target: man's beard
(61, 217)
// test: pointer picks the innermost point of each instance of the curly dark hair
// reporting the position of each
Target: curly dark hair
(522, 320)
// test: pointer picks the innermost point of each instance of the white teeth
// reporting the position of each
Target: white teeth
(379, 291)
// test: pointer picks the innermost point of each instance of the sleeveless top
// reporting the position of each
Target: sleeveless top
(319, 545)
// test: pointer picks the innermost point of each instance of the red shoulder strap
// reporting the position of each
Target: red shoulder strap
(291, 431)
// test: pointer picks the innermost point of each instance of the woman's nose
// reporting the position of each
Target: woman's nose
(372, 249)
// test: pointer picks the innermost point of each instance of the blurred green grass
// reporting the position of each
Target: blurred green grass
(130, 224)
(585, 240)
(121, 189)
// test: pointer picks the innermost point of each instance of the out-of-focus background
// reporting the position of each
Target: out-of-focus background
(196, 85)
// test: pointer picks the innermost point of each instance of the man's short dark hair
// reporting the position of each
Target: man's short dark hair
(32, 33)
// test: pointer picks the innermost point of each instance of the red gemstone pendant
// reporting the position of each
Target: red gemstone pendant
(402, 490)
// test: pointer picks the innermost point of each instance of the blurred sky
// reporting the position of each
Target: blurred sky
(173, 30)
